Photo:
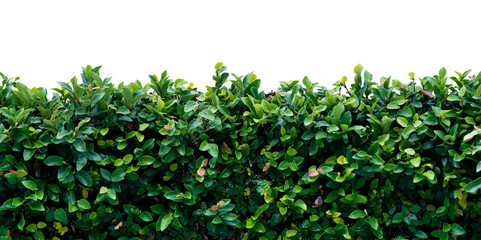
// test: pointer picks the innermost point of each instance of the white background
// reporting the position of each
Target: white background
(44, 42)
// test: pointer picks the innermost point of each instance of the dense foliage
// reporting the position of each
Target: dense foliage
(376, 159)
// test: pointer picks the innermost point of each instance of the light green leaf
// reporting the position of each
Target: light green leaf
(163, 223)
(103, 190)
(21, 223)
(190, 106)
(301, 204)
(402, 121)
(140, 136)
(373, 222)
(429, 174)
(409, 151)
(104, 131)
(260, 210)
(145, 160)
(218, 65)
(291, 233)
(143, 126)
(30, 185)
(473, 186)
(416, 161)
(357, 68)
(204, 146)
(457, 229)
(84, 204)
(357, 214)
(291, 151)
(32, 227)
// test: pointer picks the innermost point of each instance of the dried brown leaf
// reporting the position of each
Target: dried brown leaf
(318, 202)
(426, 93)
(118, 225)
(201, 172)
(266, 167)
(214, 208)
(313, 173)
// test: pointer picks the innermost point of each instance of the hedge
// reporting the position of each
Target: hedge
(376, 159)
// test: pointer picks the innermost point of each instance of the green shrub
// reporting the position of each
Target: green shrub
(378, 159)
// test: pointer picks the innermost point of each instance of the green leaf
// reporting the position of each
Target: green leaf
(140, 136)
(357, 214)
(213, 150)
(163, 223)
(21, 223)
(250, 223)
(218, 66)
(37, 206)
(429, 174)
(398, 217)
(260, 210)
(402, 121)
(230, 217)
(30, 185)
(39, 235)
(84, 178)
(307, 82)
(373, 222)
(104, 131)
(360, 199)
(103, 190)
(409, 151)
(60, 215)
(41, 225)
(357, 68)
(28, 154)
(53, 161)
(123, 110)
(190, 106)
(291, 233)
(283, 210)
(462, 91)
(143, 126)
(457, 229)
(473, 186)
(63, 172)
(62, 134)
(420, 234)
(146, 217)
(337, 110)
(301, 204)
(146, 160)
(331, 196)
(291, 151)
(32, 227)
(204, 146)
(84, 204)
(173, 195)
(79, 145)
(416, 161)
(446, 227)
(217, 220)
(111, 194)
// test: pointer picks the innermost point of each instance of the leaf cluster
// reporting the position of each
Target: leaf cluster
(379, 159)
